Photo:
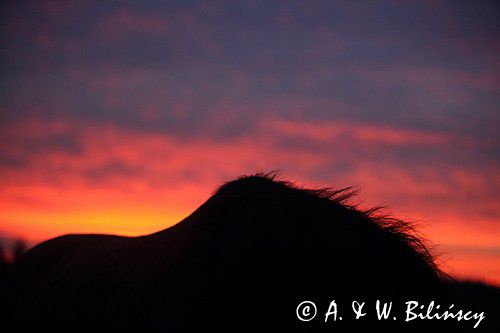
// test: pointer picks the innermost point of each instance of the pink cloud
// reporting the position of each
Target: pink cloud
(360, 133)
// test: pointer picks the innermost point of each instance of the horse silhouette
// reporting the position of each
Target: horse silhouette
(244, 260)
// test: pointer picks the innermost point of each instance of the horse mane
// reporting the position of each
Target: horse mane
(406, 232)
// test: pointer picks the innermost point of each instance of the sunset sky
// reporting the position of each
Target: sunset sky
(124, 116)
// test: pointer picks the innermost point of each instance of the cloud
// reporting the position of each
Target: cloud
(358, 134)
